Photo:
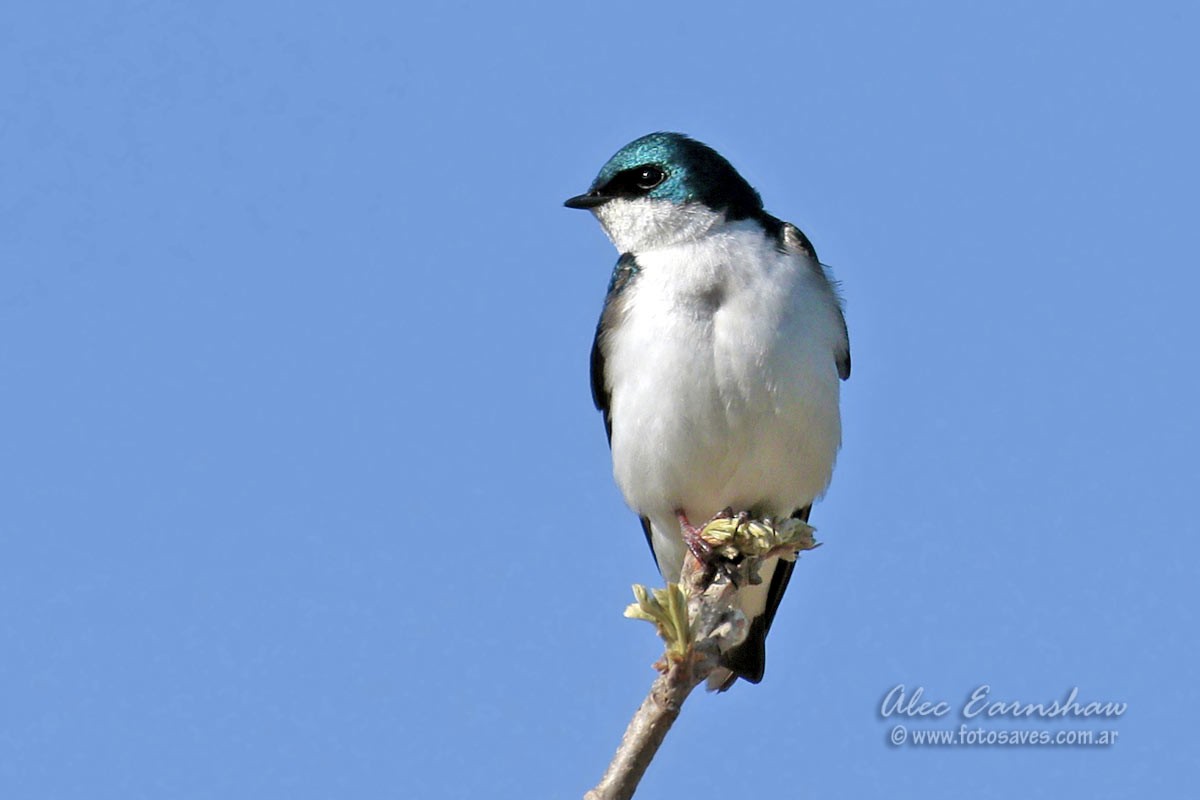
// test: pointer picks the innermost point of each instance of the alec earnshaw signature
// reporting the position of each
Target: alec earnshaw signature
(899, 702)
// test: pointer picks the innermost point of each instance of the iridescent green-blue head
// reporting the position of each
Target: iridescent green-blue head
(663, 187)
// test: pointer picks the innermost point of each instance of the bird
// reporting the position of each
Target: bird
(717, 361)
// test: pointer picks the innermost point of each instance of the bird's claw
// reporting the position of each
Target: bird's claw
(699, 548)
(702, 551)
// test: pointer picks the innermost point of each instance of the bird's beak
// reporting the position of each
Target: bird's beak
(589, 200)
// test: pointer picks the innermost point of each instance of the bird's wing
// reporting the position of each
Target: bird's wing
(794, 239)
(749, 659)
(623, 273)
(601, 395)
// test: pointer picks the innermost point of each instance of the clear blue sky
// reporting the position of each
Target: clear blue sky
(302, 494)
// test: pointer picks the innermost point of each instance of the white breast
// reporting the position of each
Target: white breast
(724, 383)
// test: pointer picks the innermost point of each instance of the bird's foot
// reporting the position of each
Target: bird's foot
(704, 552)
(701, 549)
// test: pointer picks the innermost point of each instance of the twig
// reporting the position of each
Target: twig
(697, 621)
(645, 733)
(684, 666)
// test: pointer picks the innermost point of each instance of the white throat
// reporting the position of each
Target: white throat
(636, 226)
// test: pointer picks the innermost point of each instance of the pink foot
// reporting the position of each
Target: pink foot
(702, 550)
(692, 538)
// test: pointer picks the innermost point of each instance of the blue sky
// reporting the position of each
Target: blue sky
(301, 490)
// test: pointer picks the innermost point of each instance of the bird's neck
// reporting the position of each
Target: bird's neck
(642, 225)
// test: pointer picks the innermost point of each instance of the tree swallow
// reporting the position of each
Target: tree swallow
(716, 360)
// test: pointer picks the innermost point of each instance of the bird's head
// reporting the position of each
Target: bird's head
(664, 188)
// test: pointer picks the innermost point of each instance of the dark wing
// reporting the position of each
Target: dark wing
(601, 395)
(623, 273)
(792, 238)
(748, 660)
(843, 356)
(650, 541)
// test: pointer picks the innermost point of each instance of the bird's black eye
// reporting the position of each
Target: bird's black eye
(634, 182)
(648, 177)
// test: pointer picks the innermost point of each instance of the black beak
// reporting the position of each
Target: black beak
(589, 200)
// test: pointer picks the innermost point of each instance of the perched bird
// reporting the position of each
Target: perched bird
(716, 360)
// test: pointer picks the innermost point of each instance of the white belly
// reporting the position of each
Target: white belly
(724, 388)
